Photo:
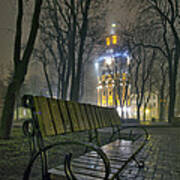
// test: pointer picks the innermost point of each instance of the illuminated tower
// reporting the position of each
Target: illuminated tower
(113, 87)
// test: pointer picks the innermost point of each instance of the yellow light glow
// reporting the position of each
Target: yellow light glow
(114, 39)
(124, 76)
(113, 25)
(147, 111)
(108, 41)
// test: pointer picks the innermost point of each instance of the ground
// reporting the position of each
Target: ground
(161, 156)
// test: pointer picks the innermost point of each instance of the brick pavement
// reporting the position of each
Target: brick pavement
(161, 156)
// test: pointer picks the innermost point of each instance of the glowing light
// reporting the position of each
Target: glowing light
(113, 25)
(147, 111)
(108, 41)
(108, 60)
(110, 51)
(99, 87)
(128, 60)
(24, 112)
(96, 66)
(125, 110)
(113, 55)
(119, 110)
(124, 76)
(114, 39)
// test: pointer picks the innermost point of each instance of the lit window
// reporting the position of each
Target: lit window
(108, 42)
(124, 76)
(114, 39)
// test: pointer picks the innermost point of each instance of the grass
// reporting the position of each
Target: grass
(13, 155)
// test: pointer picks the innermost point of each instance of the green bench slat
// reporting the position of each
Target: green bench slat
(59, 117)
(44, 116)
(84, 116)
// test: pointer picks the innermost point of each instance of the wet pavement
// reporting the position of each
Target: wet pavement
(161, 156)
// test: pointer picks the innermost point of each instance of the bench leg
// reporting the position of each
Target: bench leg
(114, 132)
(93, 135)
(67, 167)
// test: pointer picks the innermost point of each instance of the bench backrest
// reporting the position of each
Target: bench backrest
(56, 116)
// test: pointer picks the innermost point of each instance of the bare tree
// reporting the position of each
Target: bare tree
(141, 72)
(164, 15)
(21, 61)
(69, 31)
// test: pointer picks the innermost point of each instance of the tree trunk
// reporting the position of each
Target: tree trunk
(67, 79)
(72, 49)
(47, 80)
(172, 95)
(162, 106)
(8, 112)
(63, 94)
(144, 112)
(59, 85)
(20, 67)
(161, 111)
(138, 113)
(172, 84)
(81, 51)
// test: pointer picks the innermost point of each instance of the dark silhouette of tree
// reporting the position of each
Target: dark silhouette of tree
(164, 17)
(69, 31)
(21, 61)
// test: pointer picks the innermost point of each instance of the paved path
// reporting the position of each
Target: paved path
(161, 156)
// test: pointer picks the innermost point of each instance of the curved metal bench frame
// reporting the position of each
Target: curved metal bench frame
(38, 149)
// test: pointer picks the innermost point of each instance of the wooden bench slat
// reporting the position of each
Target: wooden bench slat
(98, 118)
(94, 118)
(108, 119)
(44, 117)
(90, 163)
(100, 163)
(115, 119)
(94, 167)
(90, 116)
(113, 156)
(56, 174)
(66, 116)
(82, 124)
(97, 160)
(73, 116)
(85, 117)
(57, 116)
(83, 171)
(102, 116)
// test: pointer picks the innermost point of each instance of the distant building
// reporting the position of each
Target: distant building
(113, 88)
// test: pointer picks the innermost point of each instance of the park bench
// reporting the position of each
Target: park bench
(52, 117)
